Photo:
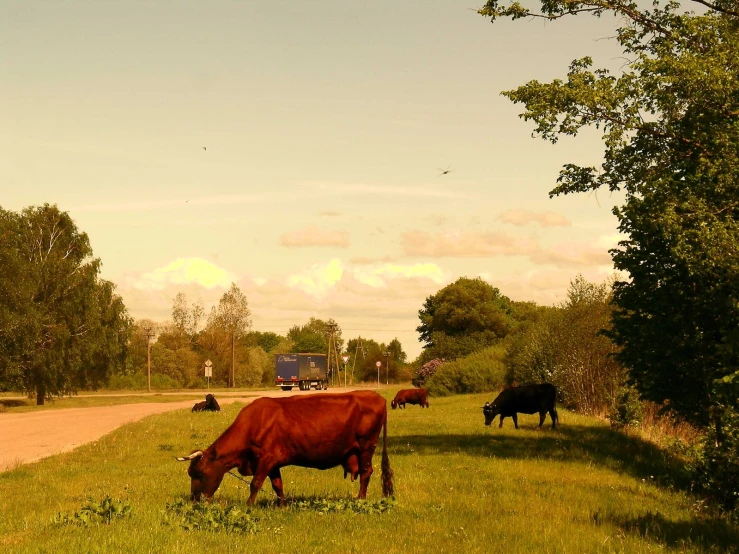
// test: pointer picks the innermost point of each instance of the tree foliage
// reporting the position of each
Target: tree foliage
(463, 317)
(670, 123)
(567, 347)
(314, 336)
(61, 327)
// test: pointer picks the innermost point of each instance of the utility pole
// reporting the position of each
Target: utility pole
(332, 344)
(356, 355)
(233, 358)
(387, 368)
(149, 335)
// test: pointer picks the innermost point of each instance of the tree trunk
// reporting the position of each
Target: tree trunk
(40, 395)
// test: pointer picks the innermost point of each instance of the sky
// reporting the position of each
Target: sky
(296, 149)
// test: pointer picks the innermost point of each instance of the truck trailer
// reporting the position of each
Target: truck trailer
(304, 371)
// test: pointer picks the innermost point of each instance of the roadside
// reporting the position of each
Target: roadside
(28, 437)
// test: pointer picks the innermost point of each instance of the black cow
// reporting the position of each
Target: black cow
(210, 404)
(528, 399)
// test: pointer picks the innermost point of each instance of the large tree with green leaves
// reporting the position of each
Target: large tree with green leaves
(61, 327)
(670, 124)
(463, 317)
(228, 324)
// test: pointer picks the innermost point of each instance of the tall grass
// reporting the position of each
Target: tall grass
(460, 487)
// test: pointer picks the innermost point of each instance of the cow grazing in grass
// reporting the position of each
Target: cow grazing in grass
(410, 396)
(527, 399)
(210, 404)
(320, 431)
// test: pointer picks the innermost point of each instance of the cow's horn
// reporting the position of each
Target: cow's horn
(195, 454)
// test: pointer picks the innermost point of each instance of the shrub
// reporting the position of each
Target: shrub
(160, 381)
(426, 371)
(134, 381)
(627, 408)
(717, 473)
(482, 371)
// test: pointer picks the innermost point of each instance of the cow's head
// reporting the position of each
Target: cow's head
(205, 476)
(490, 411)
(393, 404)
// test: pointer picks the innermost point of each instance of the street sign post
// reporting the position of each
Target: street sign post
(346, 360)
(208, 371)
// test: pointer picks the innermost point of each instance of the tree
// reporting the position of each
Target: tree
(186, 319)
(314, 336)
(463, 317)
(670, 124)
(61, 327)
(230, 320)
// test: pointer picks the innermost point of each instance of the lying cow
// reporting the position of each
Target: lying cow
(210, 404)
(320, 431)
(410, 396)
(527, 399)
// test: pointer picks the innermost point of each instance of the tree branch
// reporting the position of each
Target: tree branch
(717, 8)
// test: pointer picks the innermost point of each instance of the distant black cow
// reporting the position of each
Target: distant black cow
(210, 404)
(528, 399)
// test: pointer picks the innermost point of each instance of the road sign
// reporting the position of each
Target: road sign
(345, 358)
(378, 364)
(208, 368)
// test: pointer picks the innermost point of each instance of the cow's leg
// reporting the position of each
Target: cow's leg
(542, 415)
(365, 471)
(276, 478)
(555, 417)
(260, 474)
(515, 420)
(502, 417)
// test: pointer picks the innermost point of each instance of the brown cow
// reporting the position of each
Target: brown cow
(318, 431)
(410, 396)
(210, 404)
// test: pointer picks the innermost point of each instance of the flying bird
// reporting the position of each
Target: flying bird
(204, 148)
(445, 171)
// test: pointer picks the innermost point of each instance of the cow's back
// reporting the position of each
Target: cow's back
(313, 431)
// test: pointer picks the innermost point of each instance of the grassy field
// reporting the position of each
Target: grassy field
(460, 487)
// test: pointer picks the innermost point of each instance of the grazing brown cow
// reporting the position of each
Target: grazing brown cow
(410, 396)
(210, 404)
(319, 431)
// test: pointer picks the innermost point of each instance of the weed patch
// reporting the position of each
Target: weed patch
(210, 517)
(327, 505)
(104, 512)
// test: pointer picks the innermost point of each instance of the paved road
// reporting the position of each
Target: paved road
(28, 437)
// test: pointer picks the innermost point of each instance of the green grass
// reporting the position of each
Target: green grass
(460, 487)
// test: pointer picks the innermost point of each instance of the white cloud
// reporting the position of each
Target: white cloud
(185, 271)
(318, 279)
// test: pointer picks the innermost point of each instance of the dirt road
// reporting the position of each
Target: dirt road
(28, 437)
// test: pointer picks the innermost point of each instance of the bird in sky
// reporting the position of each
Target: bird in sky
(445, 171)
(204, 148)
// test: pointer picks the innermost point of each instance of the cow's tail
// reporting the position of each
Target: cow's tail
(387, 473)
